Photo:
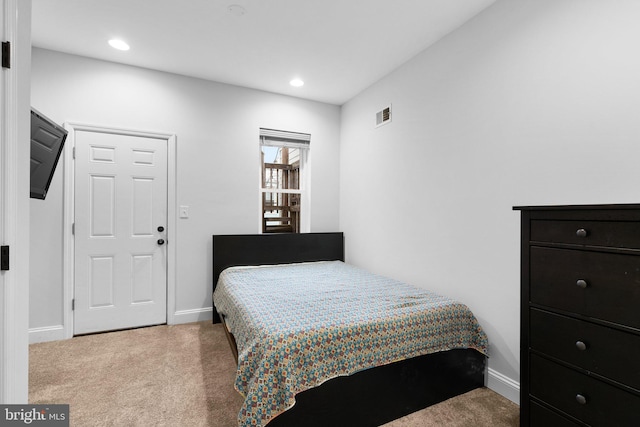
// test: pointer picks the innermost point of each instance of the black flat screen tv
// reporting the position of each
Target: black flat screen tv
(47, 141)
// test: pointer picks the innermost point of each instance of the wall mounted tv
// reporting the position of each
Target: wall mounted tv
(47, 141)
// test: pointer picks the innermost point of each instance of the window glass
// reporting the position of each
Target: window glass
(281, 173)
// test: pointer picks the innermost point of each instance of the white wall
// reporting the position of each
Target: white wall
(217, 163)
(531, 102)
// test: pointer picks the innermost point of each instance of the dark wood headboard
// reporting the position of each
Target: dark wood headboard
(266, 249)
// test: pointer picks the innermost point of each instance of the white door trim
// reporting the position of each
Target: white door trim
(15, 18)
(68, 215)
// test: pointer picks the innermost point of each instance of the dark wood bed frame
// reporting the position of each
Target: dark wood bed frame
(368, 398)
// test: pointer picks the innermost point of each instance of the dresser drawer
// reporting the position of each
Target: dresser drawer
(541, 416)
(594, 233)
(608, 352)
(587, 399)
(593, 284)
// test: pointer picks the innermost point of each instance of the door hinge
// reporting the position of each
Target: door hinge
(73, 229)
(6, 54)
(4, 258)
(73, 304)
(73, 153)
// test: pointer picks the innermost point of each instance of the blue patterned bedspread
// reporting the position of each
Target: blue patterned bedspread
(299, 325)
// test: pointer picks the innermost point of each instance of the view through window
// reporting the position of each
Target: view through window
(283, 157)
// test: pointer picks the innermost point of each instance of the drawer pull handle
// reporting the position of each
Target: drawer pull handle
(581, 399)
(582, 284)
(580, 345)
(581, 232)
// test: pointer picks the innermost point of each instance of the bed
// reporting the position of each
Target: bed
(360, 371)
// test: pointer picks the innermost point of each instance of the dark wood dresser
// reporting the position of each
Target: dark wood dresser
(580, 308)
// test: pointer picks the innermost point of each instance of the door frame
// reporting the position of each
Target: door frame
(69, 209)
(15, 27)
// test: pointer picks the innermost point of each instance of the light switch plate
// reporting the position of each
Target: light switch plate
(184, 211)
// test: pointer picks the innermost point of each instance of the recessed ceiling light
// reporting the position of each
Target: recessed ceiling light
(118, 44)
(296, 83)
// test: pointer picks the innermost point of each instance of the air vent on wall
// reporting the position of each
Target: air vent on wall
(383, 117)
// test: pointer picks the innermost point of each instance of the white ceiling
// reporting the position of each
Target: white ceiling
(338, 47)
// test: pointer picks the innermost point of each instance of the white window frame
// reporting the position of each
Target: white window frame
(302, 141)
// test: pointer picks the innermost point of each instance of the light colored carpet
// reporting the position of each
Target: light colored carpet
(183, 375)
(479, 408)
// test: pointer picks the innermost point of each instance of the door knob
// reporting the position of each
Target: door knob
(160, 242)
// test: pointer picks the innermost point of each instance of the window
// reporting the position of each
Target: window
(284, 194)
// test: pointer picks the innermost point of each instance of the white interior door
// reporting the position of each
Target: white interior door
(120, 231)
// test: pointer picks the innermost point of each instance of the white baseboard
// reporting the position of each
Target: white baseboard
(56, 332)
(47, 333)
(195, 315)
(504, 385)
